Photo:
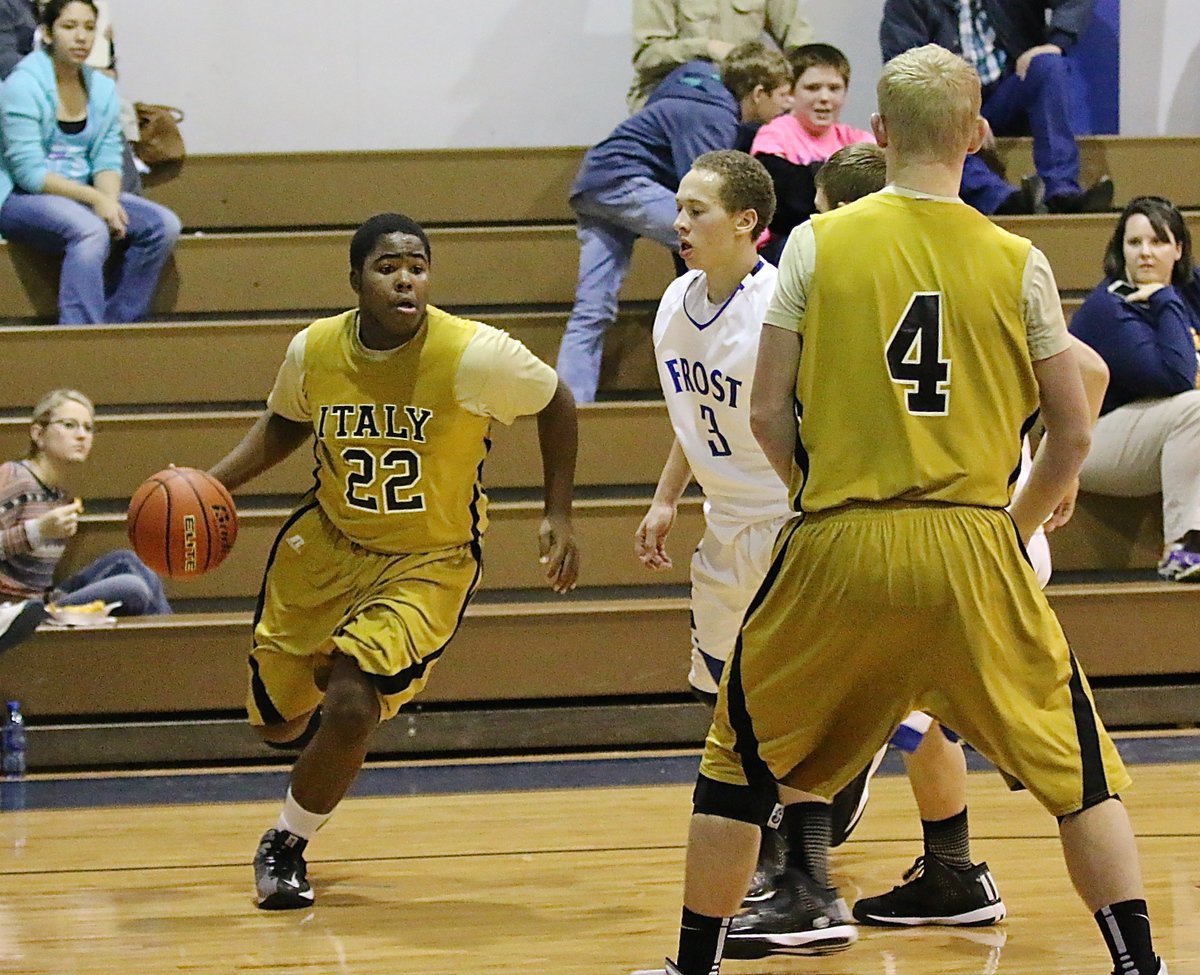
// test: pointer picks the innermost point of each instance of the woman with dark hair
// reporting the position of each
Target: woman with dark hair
(1143, 320)
(60, 183)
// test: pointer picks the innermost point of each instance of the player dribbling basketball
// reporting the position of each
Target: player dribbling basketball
(369, 578)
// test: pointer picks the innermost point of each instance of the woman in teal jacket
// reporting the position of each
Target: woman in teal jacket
(60, 183)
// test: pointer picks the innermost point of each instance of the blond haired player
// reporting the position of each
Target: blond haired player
(370, 576)
(902, 583)
(944, 885)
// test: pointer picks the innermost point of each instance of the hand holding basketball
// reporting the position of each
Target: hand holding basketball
(182, 522)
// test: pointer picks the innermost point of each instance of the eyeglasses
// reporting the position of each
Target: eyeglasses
(72, 425)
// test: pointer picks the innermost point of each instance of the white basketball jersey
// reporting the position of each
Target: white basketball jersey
(706, 356)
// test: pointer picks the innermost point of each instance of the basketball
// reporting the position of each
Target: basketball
(181, 522)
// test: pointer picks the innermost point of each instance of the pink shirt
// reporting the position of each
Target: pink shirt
(786, 137)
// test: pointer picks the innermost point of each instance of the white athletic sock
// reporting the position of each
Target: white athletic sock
(296, 819)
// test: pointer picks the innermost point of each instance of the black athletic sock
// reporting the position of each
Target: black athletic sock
(701, 942)
(807, 829)
(1126, 930)
(949, 840)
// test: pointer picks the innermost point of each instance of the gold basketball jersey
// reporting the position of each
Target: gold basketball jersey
(915, 380)
(398, 460)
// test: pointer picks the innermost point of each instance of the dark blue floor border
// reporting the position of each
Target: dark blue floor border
(442, 779)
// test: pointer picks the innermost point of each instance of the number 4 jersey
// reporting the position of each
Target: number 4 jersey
(706, 354)
(919, 322)
(401, 435)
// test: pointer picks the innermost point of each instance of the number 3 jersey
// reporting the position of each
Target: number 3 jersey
(706, 355)
(919, 322)
(401, 434)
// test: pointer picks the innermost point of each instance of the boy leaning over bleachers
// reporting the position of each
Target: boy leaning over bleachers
(626, 186)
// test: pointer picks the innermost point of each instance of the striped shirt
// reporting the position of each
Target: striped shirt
(27, 563)
(978, 39)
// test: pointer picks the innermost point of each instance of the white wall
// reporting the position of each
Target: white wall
(378, 74)
(294, 75)
(1160, 67)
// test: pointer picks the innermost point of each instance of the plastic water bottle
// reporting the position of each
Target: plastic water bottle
(12, 740)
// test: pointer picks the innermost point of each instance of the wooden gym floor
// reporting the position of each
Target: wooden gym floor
(433, 869)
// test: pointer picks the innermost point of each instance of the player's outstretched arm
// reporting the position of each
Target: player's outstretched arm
(270, 440)
(649, 544)
(772, 404)
(1068, 420)
(1094, 372)
(558, 437)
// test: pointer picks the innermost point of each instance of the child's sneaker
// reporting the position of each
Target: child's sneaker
(1180, 565)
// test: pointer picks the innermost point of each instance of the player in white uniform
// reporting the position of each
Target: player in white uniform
(705, 352)
(706, 336)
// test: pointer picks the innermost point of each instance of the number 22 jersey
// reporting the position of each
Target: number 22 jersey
(401, 434)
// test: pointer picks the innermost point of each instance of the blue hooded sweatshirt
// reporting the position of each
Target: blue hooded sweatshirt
(691, 112)
(28, 115)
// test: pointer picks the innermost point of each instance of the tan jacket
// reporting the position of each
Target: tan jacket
(668, 33)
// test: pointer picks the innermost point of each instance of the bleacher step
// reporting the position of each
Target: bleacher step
(235, 360)
(280, 271)
(555, 673)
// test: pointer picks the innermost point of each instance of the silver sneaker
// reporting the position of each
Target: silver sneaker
(280, 872)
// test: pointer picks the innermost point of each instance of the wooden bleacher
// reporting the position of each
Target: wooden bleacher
(604, 667)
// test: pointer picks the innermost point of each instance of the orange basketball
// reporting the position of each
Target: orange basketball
(181, 522)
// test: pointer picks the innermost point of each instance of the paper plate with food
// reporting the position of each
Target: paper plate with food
(95, 613)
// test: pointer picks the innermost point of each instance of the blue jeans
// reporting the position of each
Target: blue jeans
(1039, 106)
(119, 576)
(610, 220)
(61, 226)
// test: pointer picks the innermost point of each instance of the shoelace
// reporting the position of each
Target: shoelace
(914, 872)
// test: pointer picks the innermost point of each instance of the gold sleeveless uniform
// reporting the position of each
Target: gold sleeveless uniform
(381, 559)
(902, 584)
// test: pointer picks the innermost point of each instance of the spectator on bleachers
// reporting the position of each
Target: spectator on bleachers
(668, 33)
(1018, 51)
(794, 145)
(104, 58)
(18, 21)
(39, 514)
(1143, 320)
(60, 183)
(626, 186)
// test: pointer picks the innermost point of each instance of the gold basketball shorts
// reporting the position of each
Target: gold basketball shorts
(323, 595)
(869, 613)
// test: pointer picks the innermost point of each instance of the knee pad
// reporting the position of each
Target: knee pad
(297, 743)
(743, 803)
